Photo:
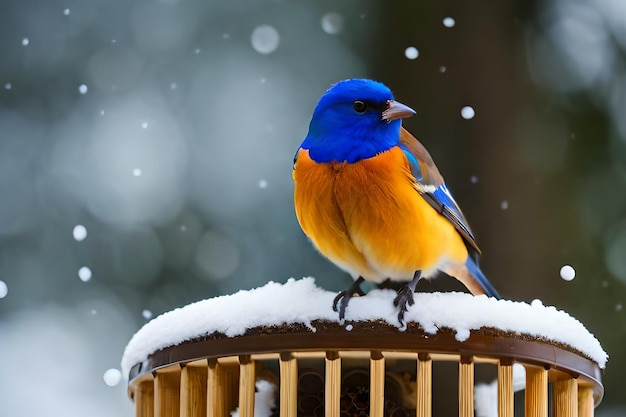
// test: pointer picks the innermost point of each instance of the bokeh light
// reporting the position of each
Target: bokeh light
(567, 272)
(411, 52)
(265, 39)
(467, 112)
(332, 23)
(448, 22)
(112, 377)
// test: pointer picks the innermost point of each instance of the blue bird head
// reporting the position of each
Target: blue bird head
(355, 119)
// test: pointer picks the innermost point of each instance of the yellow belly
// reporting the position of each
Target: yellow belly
(368, 218)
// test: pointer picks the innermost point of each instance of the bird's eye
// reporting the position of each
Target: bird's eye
(359, 106)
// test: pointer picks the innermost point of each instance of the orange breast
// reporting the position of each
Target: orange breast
(368, 218)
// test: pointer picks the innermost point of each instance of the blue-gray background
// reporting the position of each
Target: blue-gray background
(167, 129)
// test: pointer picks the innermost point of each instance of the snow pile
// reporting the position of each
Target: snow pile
(264, 399)
(302, 302)
(486, 395)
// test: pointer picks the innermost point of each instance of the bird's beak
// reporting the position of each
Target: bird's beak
(396, 110)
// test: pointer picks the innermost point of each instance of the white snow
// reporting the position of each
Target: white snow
(448, 22)
(332, 23)
(468, 112)
(83, 89)
(265, 39)
(301, 301)
(79, 232)
(112, 377)
(567, 272)
(411, 52)
(4, 289)
(84, 273)
(264, 399)
(486, 395)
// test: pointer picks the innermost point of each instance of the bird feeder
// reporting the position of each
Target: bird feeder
(279, 350)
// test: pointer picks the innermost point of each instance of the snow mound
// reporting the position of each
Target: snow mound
(302, 302)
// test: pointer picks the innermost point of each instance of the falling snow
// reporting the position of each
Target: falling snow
(79, 232)
(411, 52)
(112, 377)
(332, 23)
(567, 272)
(82, 89)
(84, 273)
(4, 289)
(468, 112)
(448, 22)
(265, 39)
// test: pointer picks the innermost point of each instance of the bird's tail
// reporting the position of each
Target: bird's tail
(480, 278)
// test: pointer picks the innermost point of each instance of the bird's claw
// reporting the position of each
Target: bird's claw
(404, 298)
(340, 303)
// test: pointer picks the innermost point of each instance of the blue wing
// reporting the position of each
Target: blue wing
(433, 188)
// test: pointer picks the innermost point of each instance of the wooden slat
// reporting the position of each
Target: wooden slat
(536, 396)
(377, 384)
(193, 391)
(424, 402)
(505, 389)
(332, 389)
(585, 401)
(288, 385)
(466, 387)
(566, 398)
(144, 399)
(246, 386)
(215, 400)
(167, 392)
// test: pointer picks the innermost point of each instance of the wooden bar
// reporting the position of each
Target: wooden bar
(288, 385)
(505, 389)
(377, 384)
(566, 398)
(247, 380)
(144, 399)
(332, 388)
(424, 389)
(215, 397)
(193, 391)
(536, 395)
(167, 392)
(585, 401)
(466, 387)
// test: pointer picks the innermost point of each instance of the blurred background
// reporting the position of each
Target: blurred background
(146, 152)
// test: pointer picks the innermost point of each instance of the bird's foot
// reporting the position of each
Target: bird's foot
(405, 297)
(343, 297)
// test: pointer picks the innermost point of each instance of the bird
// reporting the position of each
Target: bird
(370, 198)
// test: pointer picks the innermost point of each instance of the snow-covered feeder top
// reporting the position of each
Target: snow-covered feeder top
(297, 316)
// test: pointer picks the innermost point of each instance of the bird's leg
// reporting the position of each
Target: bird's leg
(405, 296)
(343, 298)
